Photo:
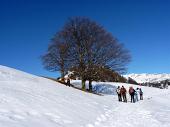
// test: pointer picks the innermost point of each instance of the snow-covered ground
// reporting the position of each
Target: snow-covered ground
(144, 78)
(32, 101)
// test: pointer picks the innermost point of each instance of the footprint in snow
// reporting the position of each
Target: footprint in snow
(89, 125)
(67, 121)
(3, 111)
(19, 117)
(97, 123)
(16, 117)
(57, 118)
(101, 118)
(33, 113)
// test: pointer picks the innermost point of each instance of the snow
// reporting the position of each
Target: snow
(31, 101)
(144, 78)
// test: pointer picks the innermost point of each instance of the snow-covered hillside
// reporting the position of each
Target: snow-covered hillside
(31, 101)
(144, 78)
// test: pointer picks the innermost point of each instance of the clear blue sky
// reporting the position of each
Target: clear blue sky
(26, 27)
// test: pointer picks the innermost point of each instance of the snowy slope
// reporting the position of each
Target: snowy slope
(32, 101)
(143, 78)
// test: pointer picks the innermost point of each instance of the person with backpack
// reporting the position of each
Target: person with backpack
(141, 94)
(132, 93)
(123, 93)
(119, 93)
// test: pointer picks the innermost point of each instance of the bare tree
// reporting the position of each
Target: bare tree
(90, 48)
(93, 48)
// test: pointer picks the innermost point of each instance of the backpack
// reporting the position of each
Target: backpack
(131, 90)
(123, 90)
(118, 91)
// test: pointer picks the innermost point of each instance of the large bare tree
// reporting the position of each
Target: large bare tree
(90, 48)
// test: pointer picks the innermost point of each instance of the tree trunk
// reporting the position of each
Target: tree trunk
(90, 85)
(83, 84)
(62, 74)
(62, 70)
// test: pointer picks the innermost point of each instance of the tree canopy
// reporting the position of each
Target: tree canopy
(86, 48)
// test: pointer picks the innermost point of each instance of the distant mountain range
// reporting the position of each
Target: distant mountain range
(148, 78)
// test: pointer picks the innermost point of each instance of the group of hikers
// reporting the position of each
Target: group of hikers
(135, 94)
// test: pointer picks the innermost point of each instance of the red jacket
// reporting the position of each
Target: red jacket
(123, 91)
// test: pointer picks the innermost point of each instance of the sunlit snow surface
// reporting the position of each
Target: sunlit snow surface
(31, 101)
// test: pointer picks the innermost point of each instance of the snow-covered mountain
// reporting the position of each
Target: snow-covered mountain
(144, 78)
(31, 101)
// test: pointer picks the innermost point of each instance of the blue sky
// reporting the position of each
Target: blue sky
(26, 28)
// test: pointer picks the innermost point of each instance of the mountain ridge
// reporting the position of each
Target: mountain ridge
(148, 77)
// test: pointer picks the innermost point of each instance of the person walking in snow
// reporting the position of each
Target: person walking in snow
(141, 94)
(68, 82)
(132, 92)
(123, 93)
(119, 93)
(136, 94)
